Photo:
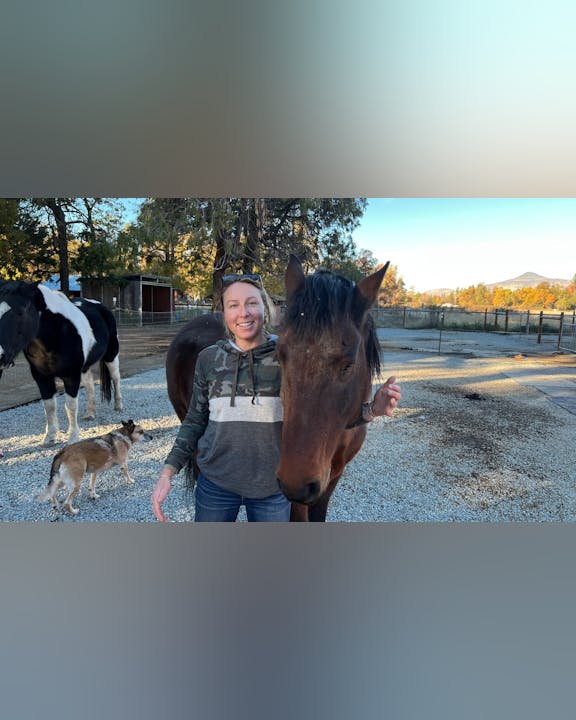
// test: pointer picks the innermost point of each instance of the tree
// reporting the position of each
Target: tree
(25, 249)
(78, 222)
(247, 235)
(502, 297)
(393, 290)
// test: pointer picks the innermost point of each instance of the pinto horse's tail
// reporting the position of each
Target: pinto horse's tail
(105, 382)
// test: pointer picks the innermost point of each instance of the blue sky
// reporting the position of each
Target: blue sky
(445, 242)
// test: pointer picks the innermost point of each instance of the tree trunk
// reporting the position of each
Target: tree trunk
(256, 218)
(221, 260)
(62, 239)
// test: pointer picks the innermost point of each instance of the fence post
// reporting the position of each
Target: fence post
(485, 318)
(540, 322)
(560, 331)
(506, 320)
(441, 326)
(404, 318)
(528, 322)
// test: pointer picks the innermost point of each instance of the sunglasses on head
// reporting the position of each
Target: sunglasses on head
(242, 277)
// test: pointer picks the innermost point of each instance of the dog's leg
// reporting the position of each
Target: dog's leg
(88, 382)
(71, 405)
(93, 494)
(114, 368)
(126, 474)
(68, 502)
(73, 486)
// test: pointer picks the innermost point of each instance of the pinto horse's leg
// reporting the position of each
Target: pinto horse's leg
(114, 368)
(88, 382)
(52, 424)
(71, 388)
(71, 405)
(47, 387)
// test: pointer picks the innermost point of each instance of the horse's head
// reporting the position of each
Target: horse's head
(328, 352)
(19, 318)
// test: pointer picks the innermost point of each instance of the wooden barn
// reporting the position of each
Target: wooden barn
(136, 299)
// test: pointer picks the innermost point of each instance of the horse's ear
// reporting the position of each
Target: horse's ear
(369, 286)
(293, 277)
(367, 291)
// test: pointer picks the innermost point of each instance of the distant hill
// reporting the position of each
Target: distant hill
(528, 279)
(439, 292)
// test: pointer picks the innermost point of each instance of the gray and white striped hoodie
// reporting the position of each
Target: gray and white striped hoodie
(234, 420)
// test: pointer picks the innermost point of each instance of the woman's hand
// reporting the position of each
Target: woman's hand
(160, 493)
(386, 398)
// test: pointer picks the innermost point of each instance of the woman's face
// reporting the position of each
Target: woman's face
(244, 314)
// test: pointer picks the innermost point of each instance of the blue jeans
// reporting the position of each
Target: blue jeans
(214, 504)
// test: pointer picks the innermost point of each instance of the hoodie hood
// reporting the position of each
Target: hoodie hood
(251, 358)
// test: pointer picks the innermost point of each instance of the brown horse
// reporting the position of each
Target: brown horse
(197, 334)
(329, 355)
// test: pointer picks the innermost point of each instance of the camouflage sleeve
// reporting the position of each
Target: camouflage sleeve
(194, 424)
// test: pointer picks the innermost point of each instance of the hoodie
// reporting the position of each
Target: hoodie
(234, 420)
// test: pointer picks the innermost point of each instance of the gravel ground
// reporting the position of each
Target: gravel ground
(467, 443)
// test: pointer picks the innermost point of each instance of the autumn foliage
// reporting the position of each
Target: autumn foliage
(479, 297)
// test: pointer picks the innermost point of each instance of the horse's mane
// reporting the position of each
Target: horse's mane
(324, 301)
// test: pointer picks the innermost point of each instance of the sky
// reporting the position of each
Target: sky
(458, 242)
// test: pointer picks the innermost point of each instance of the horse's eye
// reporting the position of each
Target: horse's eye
(345, 369)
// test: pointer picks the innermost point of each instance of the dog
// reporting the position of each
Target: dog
(92, 455)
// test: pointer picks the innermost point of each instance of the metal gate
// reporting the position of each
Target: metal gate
(567, 339)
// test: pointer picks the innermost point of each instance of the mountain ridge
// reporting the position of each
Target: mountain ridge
(527, 279)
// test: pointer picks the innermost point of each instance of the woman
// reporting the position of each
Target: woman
(235, 416)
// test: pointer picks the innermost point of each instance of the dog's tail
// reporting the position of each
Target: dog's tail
(105, 382)
(54, 468)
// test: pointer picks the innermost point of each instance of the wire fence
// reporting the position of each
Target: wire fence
(560, 327)
(557, 327)
(132, 318)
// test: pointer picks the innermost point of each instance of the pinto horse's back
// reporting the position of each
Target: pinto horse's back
(197, 334)
(103, 324)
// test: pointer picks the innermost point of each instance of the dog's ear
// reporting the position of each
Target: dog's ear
(129, 425)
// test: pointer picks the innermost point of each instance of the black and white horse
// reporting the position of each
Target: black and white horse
(60, 339)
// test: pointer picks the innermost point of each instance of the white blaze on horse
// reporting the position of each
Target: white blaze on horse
(60, 339)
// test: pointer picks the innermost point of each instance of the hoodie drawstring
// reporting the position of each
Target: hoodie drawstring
(252, 378)
(235, 383)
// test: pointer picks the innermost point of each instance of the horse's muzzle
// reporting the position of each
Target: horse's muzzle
(305, 495)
